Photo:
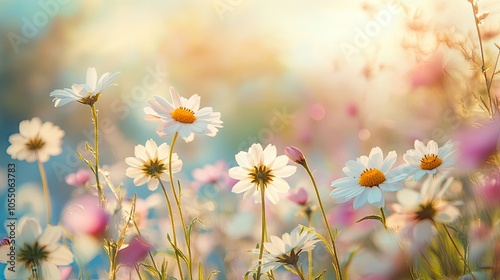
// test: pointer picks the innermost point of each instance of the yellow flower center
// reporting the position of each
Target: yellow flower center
(183, 115)
(429, 162)
(261, 176)
(371, 177)
(35, 144)
(153, 168)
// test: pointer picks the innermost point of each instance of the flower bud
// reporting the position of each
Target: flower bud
(295, 155)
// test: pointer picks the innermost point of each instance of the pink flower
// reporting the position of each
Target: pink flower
(476, 144)
(80, 178)
(5, 241)
(135, 252)
(300, 197)
(429, 73)
(352, 110)
(490, 190)
(295, 155)
(213, 174)
(84, 215)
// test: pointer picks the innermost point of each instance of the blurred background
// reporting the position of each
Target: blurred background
(334, 78)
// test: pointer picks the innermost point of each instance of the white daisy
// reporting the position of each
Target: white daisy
(151, 162)
(367, 177)
(87, 93)
(415, 214)
(183, 116)
(35, 140)
(37, 253)
(286, 250)
(259, 169)
(429, 159)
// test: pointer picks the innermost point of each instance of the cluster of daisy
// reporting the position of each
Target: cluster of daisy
(104, 218)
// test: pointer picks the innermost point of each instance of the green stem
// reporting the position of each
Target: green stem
(299, 272)
(338, 270)
(45, 189)
(483, 66)
(173, 226)
(458, 252)
(382, 213)
(96, 154)
(263, 235)
(310, 253)
(178, 203)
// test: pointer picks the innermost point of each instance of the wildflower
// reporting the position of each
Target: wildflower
(87, 93)
(287, 249)
(367, 177)
(415, 214)
(182, 116)
(79, 178)
(477, 144)
(300, 197)
(151, 163)
(295, 155)
(212, 174)
(261, 169)
(429, 159)
(35, 141)
(135, 252)
(38, 254)
(83, 215)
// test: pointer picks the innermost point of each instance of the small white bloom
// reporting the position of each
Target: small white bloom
(286, 250)
(151, 162)
(429, 159)
(35, 140)
(87, 93)
(415, 214)
(261, 169)
(367, 177)
(37, 253)
(183, 116)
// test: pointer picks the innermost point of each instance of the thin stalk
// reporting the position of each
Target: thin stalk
(178, 203)
(45, 189)
(382, 213)
(337, 267)
(458, 252)
(96, 154)
(263, 236)
(483, 66)
(299, 272)
(173, 226)
(310, 253)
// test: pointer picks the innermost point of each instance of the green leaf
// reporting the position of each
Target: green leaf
(371, 217)
(189, 229)
(177, 250)
(215, 272)
(86, 161)
(151, 270)
(89, 148)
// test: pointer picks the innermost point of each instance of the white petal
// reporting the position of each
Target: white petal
(285, 171)
(269, 155)
(91, 80)
(50, 235)
(50, 271)
(242, 186)
(374, 195)
(61, 255)
(376, 158)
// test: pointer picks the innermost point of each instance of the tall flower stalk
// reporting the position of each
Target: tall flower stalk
(46, 191)
(178, 204)
(37, 141)
(298, 157)
(88, 94)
